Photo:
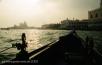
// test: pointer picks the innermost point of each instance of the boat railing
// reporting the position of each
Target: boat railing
(40, 50)
(88, 45)
(97, 52)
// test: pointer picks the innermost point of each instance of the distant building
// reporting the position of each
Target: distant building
(23, 25)
(97, 13)
(74, 24)
(20, 26)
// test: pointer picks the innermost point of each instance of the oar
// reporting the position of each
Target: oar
(13, 45)
(5, 49)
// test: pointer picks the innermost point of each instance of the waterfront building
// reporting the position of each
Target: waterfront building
(96, 14)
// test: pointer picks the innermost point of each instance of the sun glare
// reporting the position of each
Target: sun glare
(23, 8)
(24, 2)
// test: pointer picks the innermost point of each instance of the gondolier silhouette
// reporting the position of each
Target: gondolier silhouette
(24, 43)
(23, 54)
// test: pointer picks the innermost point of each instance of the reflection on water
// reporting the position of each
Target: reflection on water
(35, 39)
(38, 38)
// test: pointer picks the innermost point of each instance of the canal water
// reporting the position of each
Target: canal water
(38, 38)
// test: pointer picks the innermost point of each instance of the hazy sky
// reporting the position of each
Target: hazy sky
(38, 12)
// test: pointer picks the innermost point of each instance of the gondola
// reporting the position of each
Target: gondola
(68, 50)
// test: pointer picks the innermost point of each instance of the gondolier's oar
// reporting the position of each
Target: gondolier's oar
(13, 45)
(5, 49)
(18, 45)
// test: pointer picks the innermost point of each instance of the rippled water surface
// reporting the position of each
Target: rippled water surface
(38, 38)
(35, 39)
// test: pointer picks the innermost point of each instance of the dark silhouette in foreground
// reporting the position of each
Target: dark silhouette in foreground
(69, 50)
(23, 54)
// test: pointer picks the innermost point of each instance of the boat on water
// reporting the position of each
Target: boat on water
(68, 50)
